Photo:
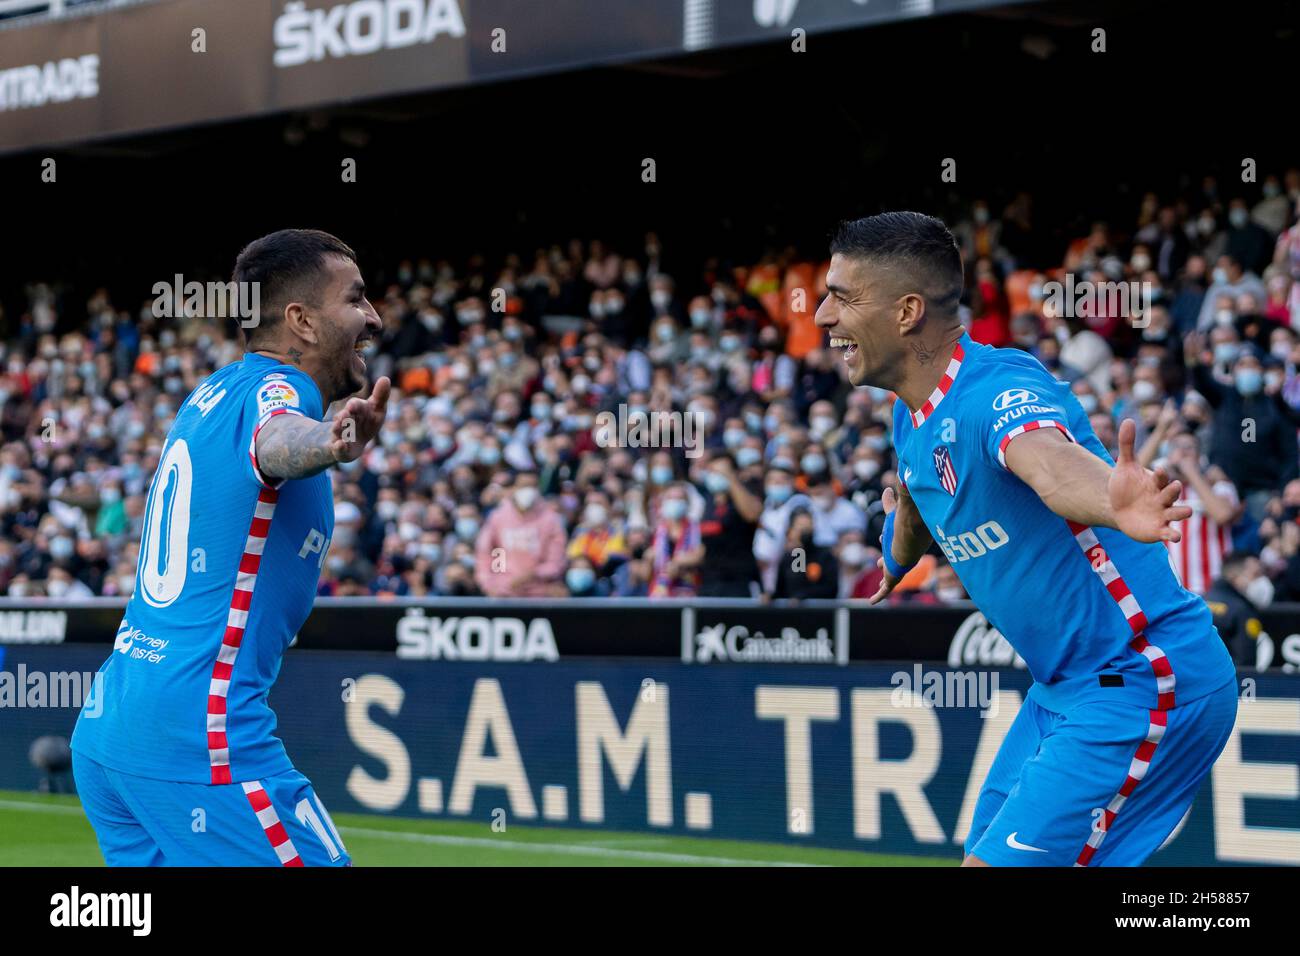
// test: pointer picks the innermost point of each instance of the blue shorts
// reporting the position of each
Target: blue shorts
(1102, 785)
(276, 821)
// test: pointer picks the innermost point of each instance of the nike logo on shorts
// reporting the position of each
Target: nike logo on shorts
(1017, 845)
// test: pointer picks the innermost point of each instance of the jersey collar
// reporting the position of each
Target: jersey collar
(950, 374)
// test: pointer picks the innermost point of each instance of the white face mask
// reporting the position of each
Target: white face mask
(1260, 592)
(853, 554)
(866, 468)
(524, 497)
(1143, 391)
(822, 425)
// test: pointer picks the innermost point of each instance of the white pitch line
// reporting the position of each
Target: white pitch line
(39, 807)
(491, 843)
(646, 842)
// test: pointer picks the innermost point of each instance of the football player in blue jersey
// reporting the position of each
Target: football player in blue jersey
(177, 762)
(1134, 693)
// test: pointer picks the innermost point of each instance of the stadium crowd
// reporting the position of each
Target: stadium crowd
(490, 476)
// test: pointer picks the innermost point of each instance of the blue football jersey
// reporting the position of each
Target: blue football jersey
(228, 568)
(1076, 602)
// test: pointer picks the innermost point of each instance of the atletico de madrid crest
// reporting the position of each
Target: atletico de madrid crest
(943, 465)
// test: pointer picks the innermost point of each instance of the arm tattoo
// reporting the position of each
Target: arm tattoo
(290, 446)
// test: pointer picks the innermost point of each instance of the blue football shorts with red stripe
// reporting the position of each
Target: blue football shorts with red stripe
(275, 821)
(1103, 784)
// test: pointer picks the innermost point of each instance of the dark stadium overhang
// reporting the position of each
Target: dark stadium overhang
(134, 69)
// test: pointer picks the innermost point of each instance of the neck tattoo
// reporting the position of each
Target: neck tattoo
(295, 356)
(924, 355)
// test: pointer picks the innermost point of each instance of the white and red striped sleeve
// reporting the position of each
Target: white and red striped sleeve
(1015, 400)
(1011, 434)
(284, 391)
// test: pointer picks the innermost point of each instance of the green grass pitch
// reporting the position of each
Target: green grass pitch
(51, 830)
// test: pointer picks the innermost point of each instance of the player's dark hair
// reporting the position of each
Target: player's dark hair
(919, 245)
(287, 266)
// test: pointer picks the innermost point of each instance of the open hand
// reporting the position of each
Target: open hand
(1142, 500)
(358, 422)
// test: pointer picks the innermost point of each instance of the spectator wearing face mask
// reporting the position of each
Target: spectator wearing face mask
(1253, 439)
(598, 536)
(660, 474)
(1273, 210)
(832, 515)
(806, 569)
(663, 298)
(822, 422)
(863, 481)
(1229, 281)
(703, 319)
(979, 235)
(62, 585)
(668, 345)
(111, 519)
(727, 527)
(857, 565)
(1278, 307)
(582, 581)
(520, 549)
(779, 499)
(774, 374)
(1235, 599)
(676, 550)
(1253, 325)
(1247, 241)
(992, 322)
(814, 467)
(21, 586)
(945, 584)
(1206, 540)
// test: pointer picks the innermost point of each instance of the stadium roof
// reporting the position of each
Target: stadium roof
(136, 67)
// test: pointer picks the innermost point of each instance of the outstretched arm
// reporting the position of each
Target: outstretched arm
(291, 446)
(1080, 487)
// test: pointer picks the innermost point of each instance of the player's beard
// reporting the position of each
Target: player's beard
(861, 371)
(869, 369)
(347, 367)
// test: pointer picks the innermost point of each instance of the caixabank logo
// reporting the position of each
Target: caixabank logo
(736, 643)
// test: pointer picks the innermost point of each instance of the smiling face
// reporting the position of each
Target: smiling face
(893, 287)
(348, 323)
(860, 314)
(313, 311)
